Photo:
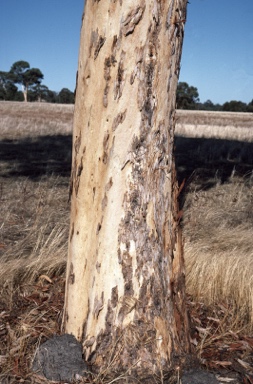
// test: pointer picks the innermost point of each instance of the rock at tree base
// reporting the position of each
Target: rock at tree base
(60, 359)
(199, 377)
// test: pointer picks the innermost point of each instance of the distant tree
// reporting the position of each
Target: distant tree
(38, 92)
(52, 97)
(66, 96)
(21, 73)
(234, 106)
(8, 89)
(187, 96)
(250, 106)
(217, 107)
(11, 91)
(19, 96)
(208, 105)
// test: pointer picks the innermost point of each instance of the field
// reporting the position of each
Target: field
(214, 157)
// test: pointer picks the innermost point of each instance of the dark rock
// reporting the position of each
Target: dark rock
(199, 377)
(60, 359)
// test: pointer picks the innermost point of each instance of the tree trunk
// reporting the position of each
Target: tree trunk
(25, 92)
(125, 297)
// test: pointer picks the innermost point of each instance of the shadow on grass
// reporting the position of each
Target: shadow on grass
(34, 157)
(204, 160)
(208, 161)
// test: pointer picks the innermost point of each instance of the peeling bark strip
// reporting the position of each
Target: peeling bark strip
(99, 45)
(120, 80)
(119, 119)
(132, 19)
(125, 295)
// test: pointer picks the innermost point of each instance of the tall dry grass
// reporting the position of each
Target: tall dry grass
(35, 157)
(34, 228)
(215, 155)
(218, 226)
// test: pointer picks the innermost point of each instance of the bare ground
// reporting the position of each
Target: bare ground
(217, 199)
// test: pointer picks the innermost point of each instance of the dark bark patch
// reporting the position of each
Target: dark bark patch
(99, 226)
(98, 46)
(77, 144)
(137, 143)
(114, 44)
(106, 140)
(132, 19)
(105, 157)
(78, 175)
(119, 83)
(114, 297)
(134, 199)
(98, 266)
(107, 77)
(105, 96)
(105, 146)
(119, 119)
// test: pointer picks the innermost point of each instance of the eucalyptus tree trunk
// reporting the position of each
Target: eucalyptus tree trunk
(25, 92)
(125, 295)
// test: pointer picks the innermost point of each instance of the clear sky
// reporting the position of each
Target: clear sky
(45, 33)
(217, 53)
(218, 49)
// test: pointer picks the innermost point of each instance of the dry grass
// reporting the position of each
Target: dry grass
(34, 228)
(218, 125)
(34, 119)
(218, 245)
(218, 209)
(35, 156)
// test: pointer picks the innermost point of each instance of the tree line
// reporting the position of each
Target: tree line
(21, 74)
(188, 98)
(32, 89)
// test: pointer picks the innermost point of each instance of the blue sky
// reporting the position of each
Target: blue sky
(218, 49)
(217, 52)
